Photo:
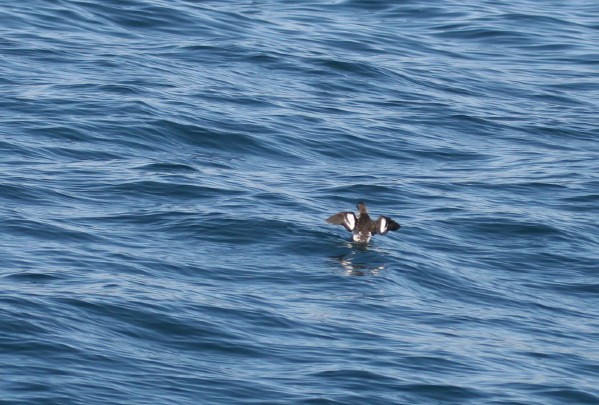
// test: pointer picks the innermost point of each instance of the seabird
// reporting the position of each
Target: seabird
(362, 226)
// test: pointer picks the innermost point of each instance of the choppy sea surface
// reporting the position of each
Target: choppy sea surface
(166, 168)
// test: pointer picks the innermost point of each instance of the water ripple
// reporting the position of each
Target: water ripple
(167, 168)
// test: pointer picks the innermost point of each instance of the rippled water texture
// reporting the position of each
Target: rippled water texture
(166, 168)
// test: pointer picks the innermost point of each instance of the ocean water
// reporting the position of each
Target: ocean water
(166, 168)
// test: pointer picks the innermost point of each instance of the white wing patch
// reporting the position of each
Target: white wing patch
(350, 221)
(382, 225)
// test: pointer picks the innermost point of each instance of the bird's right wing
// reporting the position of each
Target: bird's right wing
(386, 224)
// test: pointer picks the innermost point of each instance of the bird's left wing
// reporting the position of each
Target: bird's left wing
(347, 219)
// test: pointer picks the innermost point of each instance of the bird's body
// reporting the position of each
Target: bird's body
(362, 226)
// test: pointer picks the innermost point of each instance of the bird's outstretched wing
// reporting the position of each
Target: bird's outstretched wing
(386, 224)
(347, 219)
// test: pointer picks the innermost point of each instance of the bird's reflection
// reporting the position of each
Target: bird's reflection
(360, 261)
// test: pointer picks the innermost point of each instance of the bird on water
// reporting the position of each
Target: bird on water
(362, 226)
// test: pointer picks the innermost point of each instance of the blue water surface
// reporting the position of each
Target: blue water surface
(166, 168)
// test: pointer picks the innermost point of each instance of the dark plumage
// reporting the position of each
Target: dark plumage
(362, 226)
